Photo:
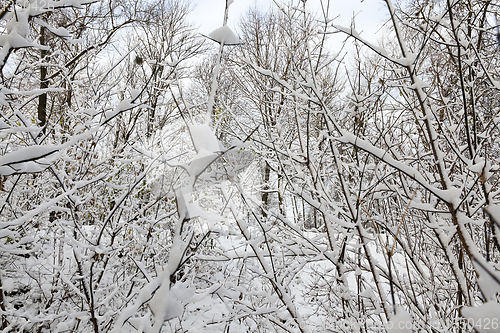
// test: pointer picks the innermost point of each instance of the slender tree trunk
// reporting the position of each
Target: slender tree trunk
(2, 307)
(265, 194)
(42, 99)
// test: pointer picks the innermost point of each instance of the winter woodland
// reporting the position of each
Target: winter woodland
(156, 179)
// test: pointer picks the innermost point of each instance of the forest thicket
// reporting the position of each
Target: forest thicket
(153, 179)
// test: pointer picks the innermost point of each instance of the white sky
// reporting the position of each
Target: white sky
(370, 14)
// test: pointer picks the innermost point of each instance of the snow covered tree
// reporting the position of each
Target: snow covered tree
(402, 174)
(86, 211)
(274, 186)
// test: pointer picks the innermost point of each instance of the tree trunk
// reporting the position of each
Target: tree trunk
(42, 99)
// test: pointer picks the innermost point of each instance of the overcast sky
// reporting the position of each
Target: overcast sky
(370, 14)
